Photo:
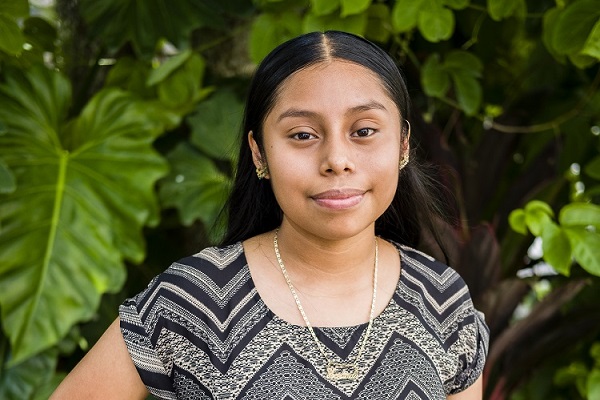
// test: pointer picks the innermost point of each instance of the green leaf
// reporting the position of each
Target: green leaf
(557, 248)
(12, 38)
(516, 219)
(550, 22)
(145, 23)
(537, 215)
(351, 7)
(468, 91)
(195, 186)
(436, 23)
(456, 4)
(378, 25)
(593, 385)
(595, 352)
(216, 125)
(459, 60)
(356, 24)
(405, 14)
(14, 8)
(85, 190)
(180, 90)
(7, 179)
(592, 44)
(574, 25)
(23, 380)
(434, 77)
(593, 168)
(324, 7)
(580, 214)
(270, 30)
(168, 67)
(500, 9)
(585, 246)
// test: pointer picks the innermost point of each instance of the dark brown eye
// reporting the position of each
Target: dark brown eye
(364, 132)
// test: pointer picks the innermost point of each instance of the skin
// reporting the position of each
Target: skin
(332, 144)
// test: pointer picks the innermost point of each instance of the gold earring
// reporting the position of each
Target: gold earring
(262, 172)
(403, 161)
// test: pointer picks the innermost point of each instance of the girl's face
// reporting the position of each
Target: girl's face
(332, 145)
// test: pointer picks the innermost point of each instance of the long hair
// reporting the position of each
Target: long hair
(252, 208)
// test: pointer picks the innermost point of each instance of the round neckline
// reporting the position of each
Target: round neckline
(274, 317)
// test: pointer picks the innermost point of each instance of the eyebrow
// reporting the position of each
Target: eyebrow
(299, 113)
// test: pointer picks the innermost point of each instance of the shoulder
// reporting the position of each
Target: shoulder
(433, 275)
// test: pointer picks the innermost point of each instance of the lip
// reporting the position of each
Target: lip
(339, 199)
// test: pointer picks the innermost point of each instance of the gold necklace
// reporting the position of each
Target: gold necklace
(335, 370)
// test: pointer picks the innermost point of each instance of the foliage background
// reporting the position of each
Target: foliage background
(119, 121)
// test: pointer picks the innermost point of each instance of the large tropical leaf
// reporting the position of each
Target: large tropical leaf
(84, 191)
(144, 23)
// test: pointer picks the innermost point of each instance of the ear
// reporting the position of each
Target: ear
(257, 157)
(405, 138)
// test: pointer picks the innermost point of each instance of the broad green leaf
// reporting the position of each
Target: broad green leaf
(557, 248)
(585, 246)
(195, 186)
(593, 384)
(436, 23)
(7, 179)
(593, 168)
(23, 380)
(350, 7)
(45, 391)
(459, 60)
(168, 67)
(324, 7)
(40, 32)
(182, 88)
(216, 125)
(270, 30)
(144, 23)
(12, 38)
(14, 8)
(537, 215)
(378, 25)
(550, 21)
(405, 14)
(592, 44)
(468, 91)
(85, 190)
(456, 4)
(434, 77)
(580, 214)
(581, 61)
(516, 219)
(537, 205)
(500, 9)
(356, 24)
(131, 75)
(574, 25)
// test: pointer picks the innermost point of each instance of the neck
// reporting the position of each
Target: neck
(316, 260)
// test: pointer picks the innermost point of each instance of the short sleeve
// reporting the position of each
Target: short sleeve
(139, 326)
(469, 351)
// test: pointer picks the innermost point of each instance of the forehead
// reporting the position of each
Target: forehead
(332, 84)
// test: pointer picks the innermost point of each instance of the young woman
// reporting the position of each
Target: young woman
(315, 292)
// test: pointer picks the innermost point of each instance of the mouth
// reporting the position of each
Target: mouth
(339, 199)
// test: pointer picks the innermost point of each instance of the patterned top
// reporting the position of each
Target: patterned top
(201, 331)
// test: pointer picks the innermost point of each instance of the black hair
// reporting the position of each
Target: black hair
(252, 208)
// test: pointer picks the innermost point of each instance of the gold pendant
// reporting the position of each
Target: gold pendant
(341, 371)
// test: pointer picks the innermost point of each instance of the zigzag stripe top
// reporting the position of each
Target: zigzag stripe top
(201, 331)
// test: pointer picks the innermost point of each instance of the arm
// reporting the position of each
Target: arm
(106, 372)
(473, 392)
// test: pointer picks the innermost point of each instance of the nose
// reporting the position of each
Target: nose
(337, 157)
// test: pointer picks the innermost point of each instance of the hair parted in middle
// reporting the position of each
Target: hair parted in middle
(252, 209)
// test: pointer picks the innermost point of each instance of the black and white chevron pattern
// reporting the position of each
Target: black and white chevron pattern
(201, 331)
